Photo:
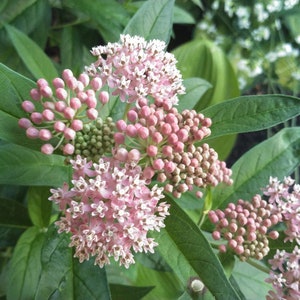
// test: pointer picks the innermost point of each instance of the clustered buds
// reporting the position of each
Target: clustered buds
(165, 140)
(109, 211)
(136, 69)
(285, 275)
(58, 111)
(245, 226)
(95, 139)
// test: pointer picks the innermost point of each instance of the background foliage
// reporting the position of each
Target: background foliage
(39, 38)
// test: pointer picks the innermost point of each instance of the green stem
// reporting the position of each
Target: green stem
(207, 206)
(258, 266)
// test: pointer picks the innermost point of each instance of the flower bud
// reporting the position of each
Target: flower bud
(45, 134)
(32, 132)
(58, 83)
(68, 149)
(35, 94)
(28, 106)
(69, 113)
(59, 126)
(96, 83)
(24, 123)
(103, 97)
(69, 133)
(61, 93)
(36, 118)
(48, 115)
(77, 125)
(47, 149)
(75, 103)
(92, 113)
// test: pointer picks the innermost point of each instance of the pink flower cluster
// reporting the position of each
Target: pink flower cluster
(164, 139)
(57, 112)
(245, 226)
(286, 196)
(136, 69)
(285, 275)
(109, 211)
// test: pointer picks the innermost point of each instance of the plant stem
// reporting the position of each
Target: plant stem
(258, 266)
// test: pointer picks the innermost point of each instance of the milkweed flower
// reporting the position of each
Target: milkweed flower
(109, 210)
(246, 227)
(136, 69)
(59, 110)
(285, 275)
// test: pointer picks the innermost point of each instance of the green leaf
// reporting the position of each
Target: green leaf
(63, 277)
(108, 16)
(251, 113)
(13, 214)
(25, 267)
(194, 89)
(202, 58)
(37, 62)
(119, 291)
(153, 20)
(21, 166)
(278, 157)
(39, 206)
(192, 255)
(182, 16)
(251, 281)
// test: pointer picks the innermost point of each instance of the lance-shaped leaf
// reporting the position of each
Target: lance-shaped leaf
(251, 113)
(186, 249)
(37, 62)
(25, 267)
(63, 277)
(277, 157)
(154, 20)
(21, 166)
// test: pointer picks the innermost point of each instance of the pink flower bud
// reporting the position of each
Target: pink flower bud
(157, 137)
(216, 235)
(67, 74)
(251, 236)
(121, 125)
(142, 102)
(172, 139)
(167, 151)
(69, 133)
(45, 134)
(28, 106)
(24, 123)
(92, 113)
(35, 95)
(61, 93)
(47, 149)
(222, 248)
(178, 147)
(121, 154)
(119, 138)
(148, 173)
(166, 129)
(232, 244)
(239, 250)
(183, 135)
(32, 133)
(131, 130)
(145, 111)
(49, 105)
(170, 166)
(42, 83)
(213, 217)
(82, 96)
(132, 115)
(274, 235)
(75, 103)
(143, 132)
(207, 122)
(199, 194)
(46, 91)
(91, 102)
(84, 78)
(71, 83)
(36, 118)
(134, 155)
(79, 87)
(77, 125)
(96, 83)
(161, 177)
(60, 106)
(68, 149)
(58, 83)
(59, 126)
(48, 115)
(158, 164)
(103, 97)
(152, 150)
(69, 113)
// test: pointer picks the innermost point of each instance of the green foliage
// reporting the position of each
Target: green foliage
(42, 265)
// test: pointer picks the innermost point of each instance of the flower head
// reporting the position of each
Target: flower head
(109, 211)
(137, 69)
